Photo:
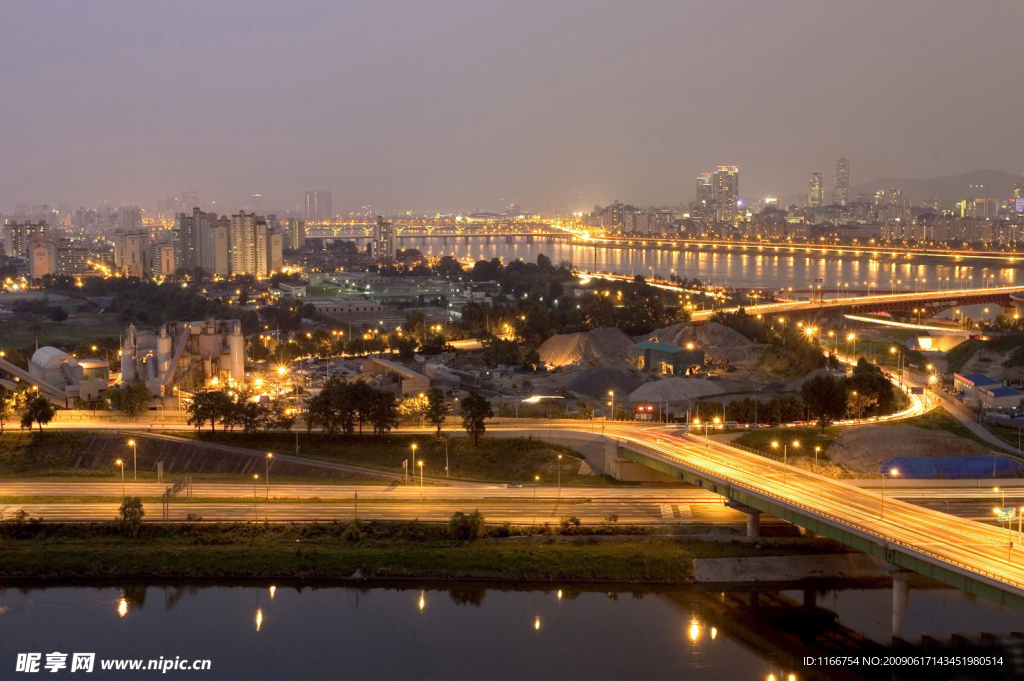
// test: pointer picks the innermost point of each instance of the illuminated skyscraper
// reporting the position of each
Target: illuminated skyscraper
(705, 201)
(318, 205)
(841, 186)
(383, 240)
(726, 186)
(816, 192)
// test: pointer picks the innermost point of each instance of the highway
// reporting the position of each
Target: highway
(972, 546)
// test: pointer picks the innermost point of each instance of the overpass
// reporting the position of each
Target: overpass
(975, 557)
(935, 301)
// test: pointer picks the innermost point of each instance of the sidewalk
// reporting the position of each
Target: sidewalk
(967, 418)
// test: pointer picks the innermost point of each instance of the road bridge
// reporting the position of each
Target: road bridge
(975, 557)
(933, 301)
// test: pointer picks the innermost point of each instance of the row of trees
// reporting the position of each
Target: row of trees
(237, 409)
(340, 408)
(33, 407)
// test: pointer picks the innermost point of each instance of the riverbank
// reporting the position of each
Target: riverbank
(353, 551)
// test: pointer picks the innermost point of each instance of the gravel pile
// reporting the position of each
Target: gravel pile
(675, 389)
(600, 346)
(597, 381)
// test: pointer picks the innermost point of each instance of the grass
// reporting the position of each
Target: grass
(326, 551)
(937, 419)
(80, 327)
(497, 460)
(961, 354)
(809, 438)
(341, 550)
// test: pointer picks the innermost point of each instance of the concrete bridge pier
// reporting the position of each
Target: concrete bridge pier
(900, 598)
(753, 518)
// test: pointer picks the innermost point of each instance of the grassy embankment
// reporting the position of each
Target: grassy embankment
(496, 460)
(344, 550)
(809, 438)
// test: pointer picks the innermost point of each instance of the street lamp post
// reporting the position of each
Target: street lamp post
(270, 455)
(255, 509)
(785, 455)
(893, 472)
(412, 462)
(536, 482)
(817, 450)
(559, 475)
(421, 473)
(611, 394)
(135, 460)
(120, 463)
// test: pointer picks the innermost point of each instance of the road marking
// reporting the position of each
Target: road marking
(685, 511)
(666, 511)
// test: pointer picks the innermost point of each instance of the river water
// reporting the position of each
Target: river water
(259, 633)
(745, 269)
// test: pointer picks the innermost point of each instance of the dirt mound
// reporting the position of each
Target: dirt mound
(674, 389)
(600, 346)
(719, 343)
(597, 381)
(863, 449)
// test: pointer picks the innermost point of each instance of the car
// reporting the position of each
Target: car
(512, 485)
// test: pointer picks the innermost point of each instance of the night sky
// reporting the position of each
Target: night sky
(431, 105)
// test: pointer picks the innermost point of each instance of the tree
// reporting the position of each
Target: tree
(131, 514)
(383, 412)
(333, 409)
(6, 406)
(437, 409)
(476, 409)
(466, 526)
(825, 398)
(37, 410)
(58, 314)
(210, 405)
(131, 399)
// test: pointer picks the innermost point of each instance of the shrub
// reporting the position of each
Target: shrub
(466, 527)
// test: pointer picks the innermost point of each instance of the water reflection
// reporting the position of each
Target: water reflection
(768, 268)
(502, 633)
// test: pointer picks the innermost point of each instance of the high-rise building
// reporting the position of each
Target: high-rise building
(193, 228)
(704, 205)
(726, 186)
(129, 218)
(318, 205)
(816, 192)
(841, 185)
(132, 253)
(189, 200)
(296, 234)
(383, 240)
(19, 235)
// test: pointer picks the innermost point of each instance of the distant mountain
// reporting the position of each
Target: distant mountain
(948, 187)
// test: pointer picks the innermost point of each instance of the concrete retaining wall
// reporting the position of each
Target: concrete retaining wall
(787, 568)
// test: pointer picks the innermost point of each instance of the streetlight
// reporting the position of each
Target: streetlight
(785, 455)
(270, 455)
(536, 482)
(255, 512)
(559, 475)
(852, 337)
(899, 362)
(817, 450)
(135, 460)
(120, 463)
(611, 394)
(421, 473)
(893, 472)
(411, 462)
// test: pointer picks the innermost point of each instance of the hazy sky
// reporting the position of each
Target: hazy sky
(453, 105)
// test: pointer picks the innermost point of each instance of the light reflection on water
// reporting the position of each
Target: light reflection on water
(468, 632)
(769, 269)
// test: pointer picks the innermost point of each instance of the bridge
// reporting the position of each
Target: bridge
(933, 301)
(975, 557)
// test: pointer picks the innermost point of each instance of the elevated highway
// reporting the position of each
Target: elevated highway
(934, 301)
(969, 555)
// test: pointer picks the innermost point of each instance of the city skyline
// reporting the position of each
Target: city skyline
(409, 128)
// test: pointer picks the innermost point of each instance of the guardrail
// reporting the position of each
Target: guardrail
(879, 538)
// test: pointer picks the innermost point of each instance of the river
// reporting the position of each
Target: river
(744, 269)
(263, 633)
